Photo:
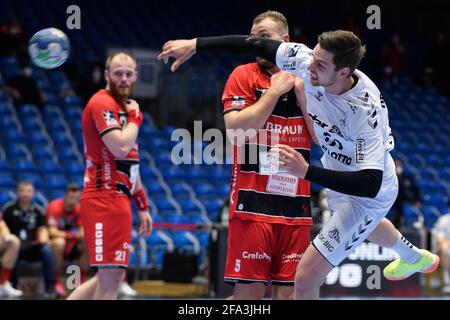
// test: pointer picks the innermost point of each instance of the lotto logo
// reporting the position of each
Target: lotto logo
(99, 242)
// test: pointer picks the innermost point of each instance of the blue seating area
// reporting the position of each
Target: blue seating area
(418, 118)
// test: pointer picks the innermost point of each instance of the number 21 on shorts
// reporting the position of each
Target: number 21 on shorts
(121, 255)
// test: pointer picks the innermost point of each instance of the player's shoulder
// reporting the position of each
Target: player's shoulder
(55, 203)
(101, 98)
(6, 208)
(364, 97)
(245, 70)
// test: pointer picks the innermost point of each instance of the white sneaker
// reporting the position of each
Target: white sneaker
(7, 291)
(126, 290)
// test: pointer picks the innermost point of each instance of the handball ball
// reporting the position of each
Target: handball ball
(49, 48)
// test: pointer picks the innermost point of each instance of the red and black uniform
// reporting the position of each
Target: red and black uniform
(108, 184)
(270, 214)
(68, 221)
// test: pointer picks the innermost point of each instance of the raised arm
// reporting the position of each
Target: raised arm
(182, 50)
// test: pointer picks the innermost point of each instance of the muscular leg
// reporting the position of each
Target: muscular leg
(283, 293)
(250, 291)
(385, 234)
(311, 273)
(108, 281)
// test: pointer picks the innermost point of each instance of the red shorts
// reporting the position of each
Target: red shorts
(263, 252)
(107, 229)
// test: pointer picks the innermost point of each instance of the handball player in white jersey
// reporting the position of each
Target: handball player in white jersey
(351, 123)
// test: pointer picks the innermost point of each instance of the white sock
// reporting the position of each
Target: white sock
(406, 250)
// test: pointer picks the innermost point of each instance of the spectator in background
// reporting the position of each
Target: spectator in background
(393, 53)
(66, 233)
(23, 88)
(11, 37)
(408, 193)
(437, 62)
(9, 251)
(441, 233)
(26, 221)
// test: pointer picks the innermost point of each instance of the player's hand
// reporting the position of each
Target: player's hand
(281, 82)
(132, 105)
(181, 50)
(289, 159)
(146, 225)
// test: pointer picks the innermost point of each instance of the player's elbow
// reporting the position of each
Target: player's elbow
(376, 180)
(120, 151)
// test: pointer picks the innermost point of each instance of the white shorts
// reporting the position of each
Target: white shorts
(353, 220)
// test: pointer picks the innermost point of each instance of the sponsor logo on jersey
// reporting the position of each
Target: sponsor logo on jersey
(278, 128)
(360, 150)
(238, 101)
(109, 118)
(291, 50)
(292, 65)
(338, 156)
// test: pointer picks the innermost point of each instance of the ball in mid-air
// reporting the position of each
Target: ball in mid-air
(49, 48)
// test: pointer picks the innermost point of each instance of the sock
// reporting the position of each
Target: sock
(5, 275)
(58, 276)
(125, 278)
(406, 250)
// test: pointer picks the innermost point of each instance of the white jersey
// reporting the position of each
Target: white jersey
(352, 128)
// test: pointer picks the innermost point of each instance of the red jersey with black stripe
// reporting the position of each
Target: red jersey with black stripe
(58, 217)
(106, 175)
(258, 194)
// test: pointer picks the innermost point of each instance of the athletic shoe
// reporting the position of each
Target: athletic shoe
(399, 269)
(8, 291)
(446, 290)
(126, 290)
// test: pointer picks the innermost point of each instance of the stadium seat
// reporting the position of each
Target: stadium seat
(7, 181)
(55, 181)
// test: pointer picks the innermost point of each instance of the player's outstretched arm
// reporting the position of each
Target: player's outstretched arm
(183, 50)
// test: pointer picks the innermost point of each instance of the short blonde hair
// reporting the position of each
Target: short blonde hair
(275, 16)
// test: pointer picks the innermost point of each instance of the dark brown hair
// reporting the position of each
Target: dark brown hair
(72, 187)
(346, 47)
